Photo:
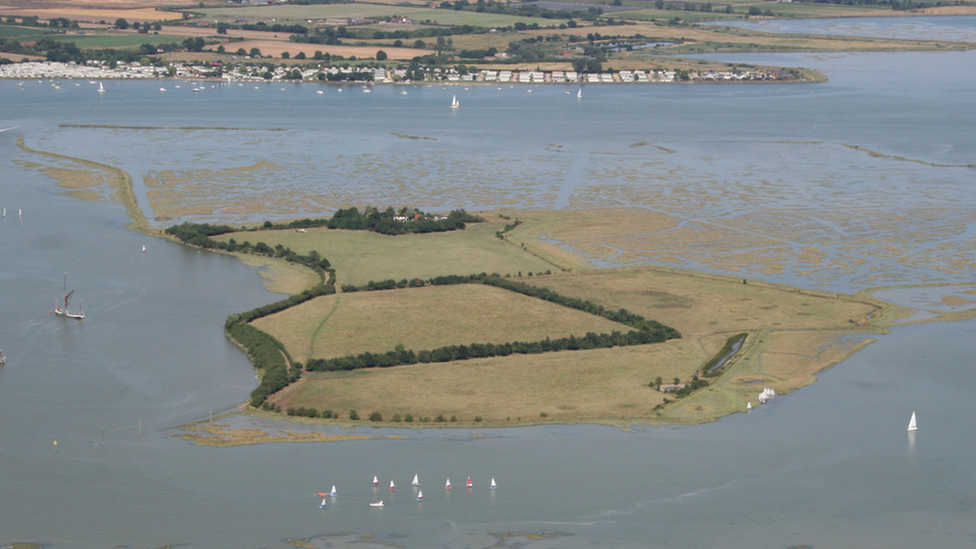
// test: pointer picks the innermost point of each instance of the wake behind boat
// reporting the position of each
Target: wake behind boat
(65, 311)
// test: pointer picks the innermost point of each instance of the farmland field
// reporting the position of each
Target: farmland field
(360, 256)
(423, 318)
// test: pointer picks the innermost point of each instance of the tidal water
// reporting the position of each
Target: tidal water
(828, 466)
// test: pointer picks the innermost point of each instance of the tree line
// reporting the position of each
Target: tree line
(450, 353)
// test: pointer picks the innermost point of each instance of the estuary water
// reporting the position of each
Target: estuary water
(828, 466)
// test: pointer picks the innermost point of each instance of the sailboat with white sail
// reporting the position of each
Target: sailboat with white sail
(579, 94)
(323, 504)
(912, 424)
(454, 103)
(65, 311)
(420, 495)
(416, 480)
(493, 486)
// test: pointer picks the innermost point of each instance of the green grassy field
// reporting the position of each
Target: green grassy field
(117, 41)
(360, 256)
(423, 318)
(7, 31)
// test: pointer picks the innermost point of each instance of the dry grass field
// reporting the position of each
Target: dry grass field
(360, 256)
(423, 318)
(605, 384)
(679, 299)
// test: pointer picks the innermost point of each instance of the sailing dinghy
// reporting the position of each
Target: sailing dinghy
(912, 426)
(416, 480)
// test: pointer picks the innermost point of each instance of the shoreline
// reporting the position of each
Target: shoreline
(693, 409)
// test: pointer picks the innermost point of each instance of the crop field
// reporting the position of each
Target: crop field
(7, 31)
(93, 15)
(115, 41)
(303, 14)
(423, 318)
(360, 256)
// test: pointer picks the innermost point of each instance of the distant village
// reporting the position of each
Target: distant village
(245, 72)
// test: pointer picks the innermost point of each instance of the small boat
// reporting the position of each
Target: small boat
(367, 90)
(912, 426)
(392, 487)
(448, 485)
(5, 212)
(377, 504)
(454, 103)
(162, 89)
(493, 485)
(469, 483)
(66, 312)
(101, 89)
(3, 360)
(376, 481)
(322, 505)
(579, 94)
(420, 495)
(320, 92)
(403, 92)
(333, 493)
(143, 248)
(416, 480)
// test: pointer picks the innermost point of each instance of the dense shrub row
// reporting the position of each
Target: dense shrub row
(484, 350)
(268, 355)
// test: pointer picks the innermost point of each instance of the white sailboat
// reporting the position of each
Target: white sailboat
(377, 504)
(66, 312)
(448, 485)
(143, 248)
(454, 103)
(493, 485)
(5, 212)
(416, 480)
(3, 360)
(101, 89)
(392, 487)
(333, 493)
(322, 505)
(420, 495)
(579, 94)
(376, 481)
(912, 425)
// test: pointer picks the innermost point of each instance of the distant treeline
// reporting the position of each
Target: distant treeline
(646, 331)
